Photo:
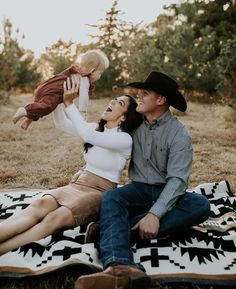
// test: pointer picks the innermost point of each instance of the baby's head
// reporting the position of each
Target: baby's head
(93, 63)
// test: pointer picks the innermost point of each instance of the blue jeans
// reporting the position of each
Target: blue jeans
(125, 206)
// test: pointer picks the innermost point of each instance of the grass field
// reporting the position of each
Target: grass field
(43, 157)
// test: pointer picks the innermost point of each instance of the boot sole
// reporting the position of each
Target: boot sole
(98, 282)
(140, 283)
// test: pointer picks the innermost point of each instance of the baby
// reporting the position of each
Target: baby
(49, 94)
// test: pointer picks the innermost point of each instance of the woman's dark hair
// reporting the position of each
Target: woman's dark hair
(132, 121)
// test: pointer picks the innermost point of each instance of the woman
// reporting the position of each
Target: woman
(107, 148)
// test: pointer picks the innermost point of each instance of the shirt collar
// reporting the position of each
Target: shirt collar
(114, 129)
(160, 120)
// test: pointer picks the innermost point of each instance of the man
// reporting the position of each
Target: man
(156, 202)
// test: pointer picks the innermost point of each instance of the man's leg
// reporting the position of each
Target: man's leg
(117, 206)
(190, 210)
(116, 254)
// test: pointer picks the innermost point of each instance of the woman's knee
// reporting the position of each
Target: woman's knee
(59, 218)
(36, 208)
(45, 202)
(38, 203)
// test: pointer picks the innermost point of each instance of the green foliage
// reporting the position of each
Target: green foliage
(16, 64)
(10, 53)
(193, 41)
(214, 26)
(113, 37)
(27, 76)
(227, 70)
(108, 41)
(60, 55)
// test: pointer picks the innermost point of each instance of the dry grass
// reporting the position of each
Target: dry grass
(40, 157)
(43, 157)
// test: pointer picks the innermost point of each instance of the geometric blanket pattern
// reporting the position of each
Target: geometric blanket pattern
(206, 254)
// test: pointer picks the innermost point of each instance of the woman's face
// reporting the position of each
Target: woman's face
(116, 109)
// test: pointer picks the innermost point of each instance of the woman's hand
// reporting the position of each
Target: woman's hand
(76, 176)
(71, 88)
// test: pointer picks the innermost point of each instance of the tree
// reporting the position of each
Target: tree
(60, 55)
(227, 70)
(27, 75)
(220, 16)
(16, 64)
(195, 41)
(114, 34)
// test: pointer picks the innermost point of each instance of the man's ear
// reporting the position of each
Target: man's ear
(161, 100)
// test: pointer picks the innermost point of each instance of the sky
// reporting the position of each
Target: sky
(43, 22)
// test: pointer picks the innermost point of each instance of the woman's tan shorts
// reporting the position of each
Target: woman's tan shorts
(83, 197)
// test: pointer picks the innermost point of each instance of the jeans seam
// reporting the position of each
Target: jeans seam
(117, 260)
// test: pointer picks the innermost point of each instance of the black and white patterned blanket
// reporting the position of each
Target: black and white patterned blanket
(204, 255)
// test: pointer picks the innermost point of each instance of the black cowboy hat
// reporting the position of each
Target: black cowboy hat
(163, 85)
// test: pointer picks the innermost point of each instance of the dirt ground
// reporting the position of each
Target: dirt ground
(43, 157)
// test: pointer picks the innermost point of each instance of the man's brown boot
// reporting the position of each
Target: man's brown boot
(92, 233)
(102, 280)
(115, 277)
(135, 278)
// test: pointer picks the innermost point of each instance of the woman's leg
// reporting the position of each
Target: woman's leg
(55, 220)
(27, 218)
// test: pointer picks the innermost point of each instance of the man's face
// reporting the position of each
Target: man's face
(147, 101)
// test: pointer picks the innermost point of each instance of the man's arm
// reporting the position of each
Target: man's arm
(178, 172)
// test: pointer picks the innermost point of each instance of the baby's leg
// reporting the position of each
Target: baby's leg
(21, 112)
(43, 106)
(25, 124)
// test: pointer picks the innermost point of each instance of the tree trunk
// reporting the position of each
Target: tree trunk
(5, 96)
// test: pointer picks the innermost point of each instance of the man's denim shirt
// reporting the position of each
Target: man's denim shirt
(162, 154)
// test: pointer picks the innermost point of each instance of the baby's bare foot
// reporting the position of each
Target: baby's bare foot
(26, 123)
(19, 114)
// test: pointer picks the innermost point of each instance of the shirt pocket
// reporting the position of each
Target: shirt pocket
(162, 158)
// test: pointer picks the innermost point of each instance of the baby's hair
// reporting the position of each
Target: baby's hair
(94, 59)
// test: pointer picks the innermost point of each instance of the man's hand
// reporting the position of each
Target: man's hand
(148, 226)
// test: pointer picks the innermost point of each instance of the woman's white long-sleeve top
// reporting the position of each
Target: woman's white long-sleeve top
(110, 150)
